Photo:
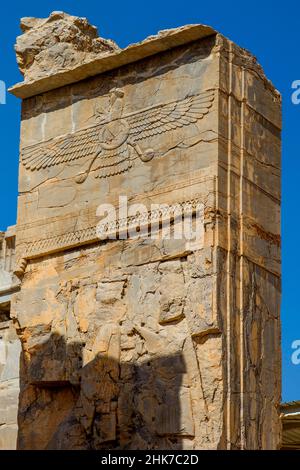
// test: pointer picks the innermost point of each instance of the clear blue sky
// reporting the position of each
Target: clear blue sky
(269, 30)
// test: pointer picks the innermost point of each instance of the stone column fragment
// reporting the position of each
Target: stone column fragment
(145, 342)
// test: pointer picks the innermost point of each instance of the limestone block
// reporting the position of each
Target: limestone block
(8, 436)
(11, 368)
(10, 349)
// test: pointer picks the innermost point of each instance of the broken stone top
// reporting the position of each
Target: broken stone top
(58, 43)
(63, 49)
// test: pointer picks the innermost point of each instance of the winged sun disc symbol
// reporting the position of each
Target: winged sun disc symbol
(109, 146)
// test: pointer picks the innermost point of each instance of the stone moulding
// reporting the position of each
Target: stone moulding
(88, 235)
(152, 45)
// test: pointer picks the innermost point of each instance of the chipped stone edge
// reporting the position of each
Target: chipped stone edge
(152, 45)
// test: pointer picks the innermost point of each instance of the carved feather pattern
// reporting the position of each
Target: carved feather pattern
(62, 150)
(114, 162)
(143, 124)
(164, 118)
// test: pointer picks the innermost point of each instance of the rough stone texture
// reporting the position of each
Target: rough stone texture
(163, 41)
(10, 346)
(144, 343)
(53, 44)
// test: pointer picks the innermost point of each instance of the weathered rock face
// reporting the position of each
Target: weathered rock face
(144, 342)
(56, 43)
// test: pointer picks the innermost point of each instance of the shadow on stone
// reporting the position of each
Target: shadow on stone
(103, 404)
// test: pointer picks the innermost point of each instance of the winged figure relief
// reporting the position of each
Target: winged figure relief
(109, 146)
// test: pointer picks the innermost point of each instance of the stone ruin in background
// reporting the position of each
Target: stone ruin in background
(144, 343)
(10, 346)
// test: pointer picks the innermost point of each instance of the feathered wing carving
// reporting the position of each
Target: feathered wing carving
(62, 150)
(164, 118)
(142, 124)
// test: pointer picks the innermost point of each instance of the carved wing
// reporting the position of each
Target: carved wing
(166, 117)
(142, 124)
(61, 150)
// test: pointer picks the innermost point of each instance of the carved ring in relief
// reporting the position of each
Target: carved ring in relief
(108, 147)
(113, 135)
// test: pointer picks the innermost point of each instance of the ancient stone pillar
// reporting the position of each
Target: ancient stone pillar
(10, 345)
(138, 341)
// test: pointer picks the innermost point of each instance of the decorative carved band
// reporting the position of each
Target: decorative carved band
(39, 248)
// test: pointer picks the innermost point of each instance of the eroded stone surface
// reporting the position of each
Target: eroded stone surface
(50, 45)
